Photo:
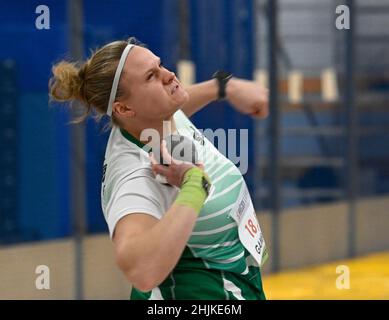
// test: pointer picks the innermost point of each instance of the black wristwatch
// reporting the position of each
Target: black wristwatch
(222, 78)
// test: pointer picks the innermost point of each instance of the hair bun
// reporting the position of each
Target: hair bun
(67, 82)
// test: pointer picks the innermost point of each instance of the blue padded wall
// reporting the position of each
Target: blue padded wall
(42, 176)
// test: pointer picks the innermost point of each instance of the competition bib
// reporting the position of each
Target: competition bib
(249, 230)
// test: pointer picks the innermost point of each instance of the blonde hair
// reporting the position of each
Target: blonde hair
(91, 82)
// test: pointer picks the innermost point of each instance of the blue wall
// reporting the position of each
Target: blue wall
(42, 138)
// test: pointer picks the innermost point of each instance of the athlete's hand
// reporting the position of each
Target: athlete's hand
(175, 170)
(248, 97)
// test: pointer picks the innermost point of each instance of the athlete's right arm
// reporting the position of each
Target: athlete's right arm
(147, 249)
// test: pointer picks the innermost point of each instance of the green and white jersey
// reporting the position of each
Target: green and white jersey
(222, 257)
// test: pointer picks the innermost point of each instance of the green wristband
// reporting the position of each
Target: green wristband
(193, 193)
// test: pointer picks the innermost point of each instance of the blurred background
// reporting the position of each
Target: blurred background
(318, 166)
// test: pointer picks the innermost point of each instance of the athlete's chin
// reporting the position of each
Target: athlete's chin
(174, 108)
(182, 98)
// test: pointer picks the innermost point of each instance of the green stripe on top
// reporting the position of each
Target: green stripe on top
(217, 202)
(134, 140)
(224, 184)
(213, 223)
(222, 253)
(220, 237)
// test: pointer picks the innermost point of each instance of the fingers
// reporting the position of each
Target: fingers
(167, 158)
(152, 158)
(160, 169)
(171, 169)
(156, 167)
(260, 113)
(255, 114)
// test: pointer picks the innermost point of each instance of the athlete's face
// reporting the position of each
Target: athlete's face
(154, 91)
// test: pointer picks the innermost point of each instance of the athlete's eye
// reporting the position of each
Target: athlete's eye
(150, 76)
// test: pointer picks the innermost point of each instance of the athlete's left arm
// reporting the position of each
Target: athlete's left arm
(245, 96)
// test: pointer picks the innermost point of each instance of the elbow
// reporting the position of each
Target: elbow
(140, 277)
(142, 281)
(144, 285)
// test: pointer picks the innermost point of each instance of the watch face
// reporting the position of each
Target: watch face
(222, 78)
(221, 74)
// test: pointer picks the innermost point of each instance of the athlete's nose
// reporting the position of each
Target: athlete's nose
(169, 76)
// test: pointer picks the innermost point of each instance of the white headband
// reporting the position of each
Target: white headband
(117, 78)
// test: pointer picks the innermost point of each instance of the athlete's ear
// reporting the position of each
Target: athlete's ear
(123, 110)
